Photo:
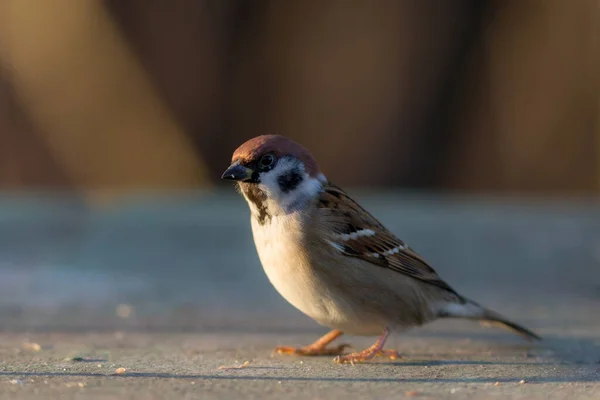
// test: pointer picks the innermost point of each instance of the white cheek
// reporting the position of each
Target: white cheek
(279, 202)
(268, 183)
(308, 189)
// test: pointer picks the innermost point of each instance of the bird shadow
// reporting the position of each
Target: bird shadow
(551, 350)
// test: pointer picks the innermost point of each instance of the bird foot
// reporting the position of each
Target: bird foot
(391, 354)
(366, 355)
(312, 350)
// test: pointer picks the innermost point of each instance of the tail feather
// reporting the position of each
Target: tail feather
(471, 310)
(494, 319)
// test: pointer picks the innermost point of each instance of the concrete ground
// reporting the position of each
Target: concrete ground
(149, 298)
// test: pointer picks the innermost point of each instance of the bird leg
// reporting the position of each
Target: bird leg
(367, 354)
(318, 348)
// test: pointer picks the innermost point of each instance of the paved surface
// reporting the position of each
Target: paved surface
(171, 290)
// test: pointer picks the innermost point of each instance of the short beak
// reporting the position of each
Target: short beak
(237, 172)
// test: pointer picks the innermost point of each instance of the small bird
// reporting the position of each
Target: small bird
(332, 260)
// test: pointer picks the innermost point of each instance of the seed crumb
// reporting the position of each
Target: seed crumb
(244, 365)
(31, 346)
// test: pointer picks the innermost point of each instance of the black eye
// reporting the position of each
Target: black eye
(266, 161)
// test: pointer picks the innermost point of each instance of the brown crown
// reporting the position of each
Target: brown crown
(280, 146)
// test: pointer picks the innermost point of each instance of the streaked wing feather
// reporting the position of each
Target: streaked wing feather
(381, 248)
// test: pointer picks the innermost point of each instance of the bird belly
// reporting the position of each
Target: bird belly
(296, 279)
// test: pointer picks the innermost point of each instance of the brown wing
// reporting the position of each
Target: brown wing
(356, 233)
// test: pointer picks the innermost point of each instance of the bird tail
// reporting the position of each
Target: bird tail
(470, 310)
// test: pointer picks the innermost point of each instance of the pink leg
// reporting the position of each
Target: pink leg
(318, 348)
(367, 354)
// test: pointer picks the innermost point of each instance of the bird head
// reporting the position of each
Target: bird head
(275, 173)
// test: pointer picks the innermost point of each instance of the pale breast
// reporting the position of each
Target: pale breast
(289, 270)
(314, 289)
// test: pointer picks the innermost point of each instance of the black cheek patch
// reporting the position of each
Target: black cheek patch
(289, 181)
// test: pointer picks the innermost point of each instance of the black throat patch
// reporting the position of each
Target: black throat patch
(258, 198)
(290, 180)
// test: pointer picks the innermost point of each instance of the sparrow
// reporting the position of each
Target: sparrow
(335, 262)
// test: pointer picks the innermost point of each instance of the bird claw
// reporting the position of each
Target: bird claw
(311, 350)
(365, 355)
(391, 354)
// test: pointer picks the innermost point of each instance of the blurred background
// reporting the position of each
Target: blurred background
(462, 95)
(117, 118)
